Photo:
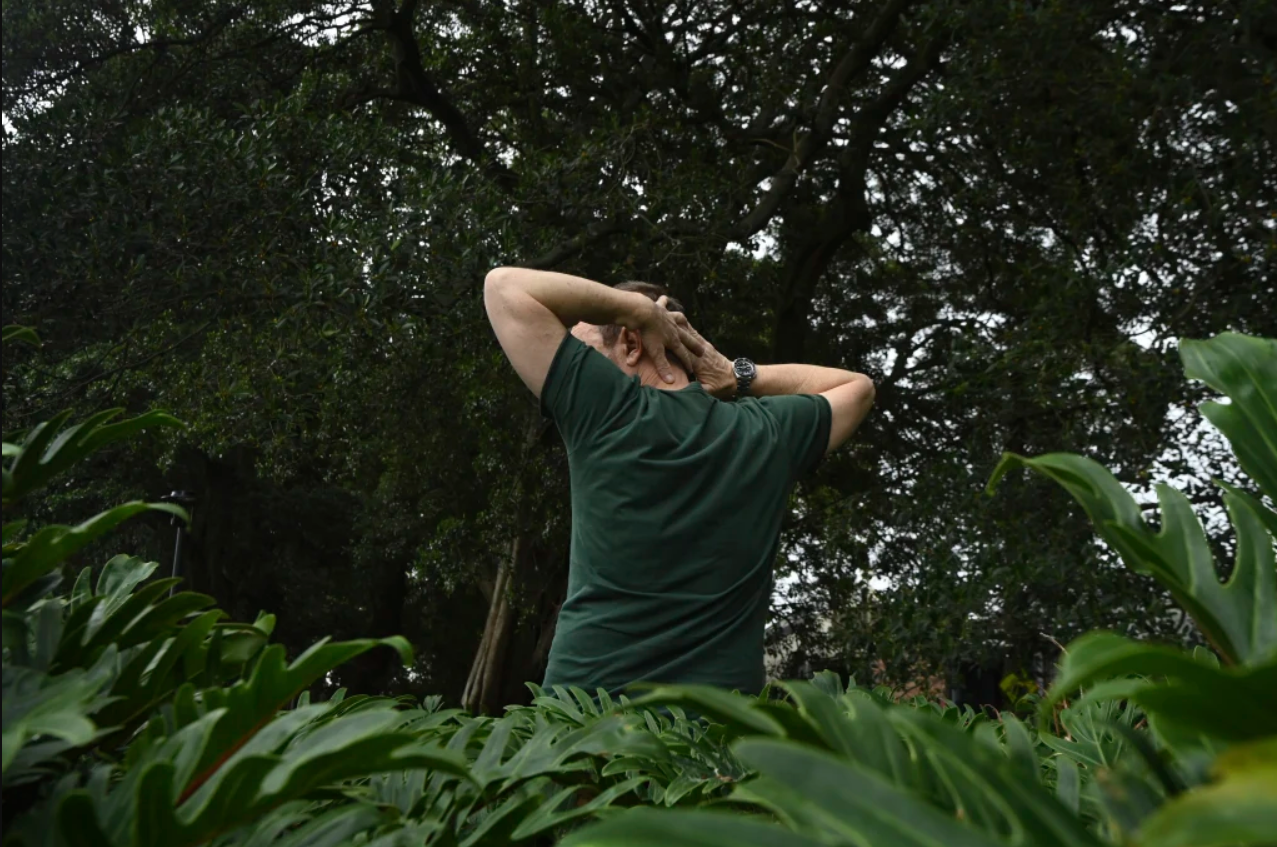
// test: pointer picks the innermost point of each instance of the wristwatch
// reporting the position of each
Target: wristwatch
(745, 371)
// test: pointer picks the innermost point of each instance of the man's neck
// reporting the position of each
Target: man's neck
(648, 376)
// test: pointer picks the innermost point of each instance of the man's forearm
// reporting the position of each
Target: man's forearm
(573, 299)
(714, 370)
(799, 379)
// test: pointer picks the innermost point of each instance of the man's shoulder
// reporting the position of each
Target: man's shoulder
(584, 391)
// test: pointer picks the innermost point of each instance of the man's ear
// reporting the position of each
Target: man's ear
(631, 344)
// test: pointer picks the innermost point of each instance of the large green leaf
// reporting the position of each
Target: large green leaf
(1244, 368)
(146, 614)
(679, 828)
(12, 530)
(1253, 585)
(333, 828)
(250, 704)
(49, 450)
(150, 677)
(550, 815)
(1238, 617)
(37, 705)
(1068, 783)
(279, 763)
(52, 545)
(831, 799)
(1238, 809)
(21, 474)
(986, 787)
(735, 712)
(1190, 698)
(101, 618)
(853, 725)
(119, 576)
(120, 616)
(1020, 747)
(1089, 737)
(1266, 515)
(25, 334)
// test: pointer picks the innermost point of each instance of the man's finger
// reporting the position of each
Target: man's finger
(687, 327)
(687, 357)
(691, 340)
(663, 367)
(663, 301)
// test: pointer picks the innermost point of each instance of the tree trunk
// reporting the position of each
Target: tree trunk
(514, 647)
(219, 535)
(805, 265)
(485, 673)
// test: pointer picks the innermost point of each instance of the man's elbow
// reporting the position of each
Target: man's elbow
(864, 387)
(497, 278)
(498, 286)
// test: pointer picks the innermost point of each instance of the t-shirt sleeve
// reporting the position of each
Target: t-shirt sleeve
(803, 421)
(584, 393)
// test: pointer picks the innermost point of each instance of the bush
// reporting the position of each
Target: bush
(136, 717)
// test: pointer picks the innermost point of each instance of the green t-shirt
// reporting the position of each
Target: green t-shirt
(677, 500)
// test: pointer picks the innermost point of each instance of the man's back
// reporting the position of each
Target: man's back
(677, 501)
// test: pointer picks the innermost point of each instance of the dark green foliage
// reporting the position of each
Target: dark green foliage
(274, 219)
(136, 718)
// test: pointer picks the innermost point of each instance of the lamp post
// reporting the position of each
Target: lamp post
(185, 499)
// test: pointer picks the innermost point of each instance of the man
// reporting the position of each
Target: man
(678, 487)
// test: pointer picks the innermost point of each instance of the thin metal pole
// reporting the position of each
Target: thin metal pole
(177, 553)
(186, 499)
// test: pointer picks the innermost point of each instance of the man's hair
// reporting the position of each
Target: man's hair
(611, 332)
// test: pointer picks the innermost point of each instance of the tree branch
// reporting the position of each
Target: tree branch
(415, 85)
(869, 121)
(853, 63)
(593, 233)
(159, 45)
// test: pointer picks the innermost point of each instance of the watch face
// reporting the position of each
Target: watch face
(743, 368)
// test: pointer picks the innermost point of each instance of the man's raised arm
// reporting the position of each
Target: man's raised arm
(850, 394)
(531, 311)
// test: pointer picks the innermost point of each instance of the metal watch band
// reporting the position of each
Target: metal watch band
(744, 380)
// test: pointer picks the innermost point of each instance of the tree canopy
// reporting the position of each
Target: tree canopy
(273, 220)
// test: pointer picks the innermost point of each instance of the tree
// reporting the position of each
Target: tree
(275, 221)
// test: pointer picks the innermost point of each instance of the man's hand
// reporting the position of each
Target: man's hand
(531, 311)
(712, 368)
(662, 330)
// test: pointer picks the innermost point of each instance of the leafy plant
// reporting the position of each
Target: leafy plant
(136, 718)
(132, 717)
(25, 334)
